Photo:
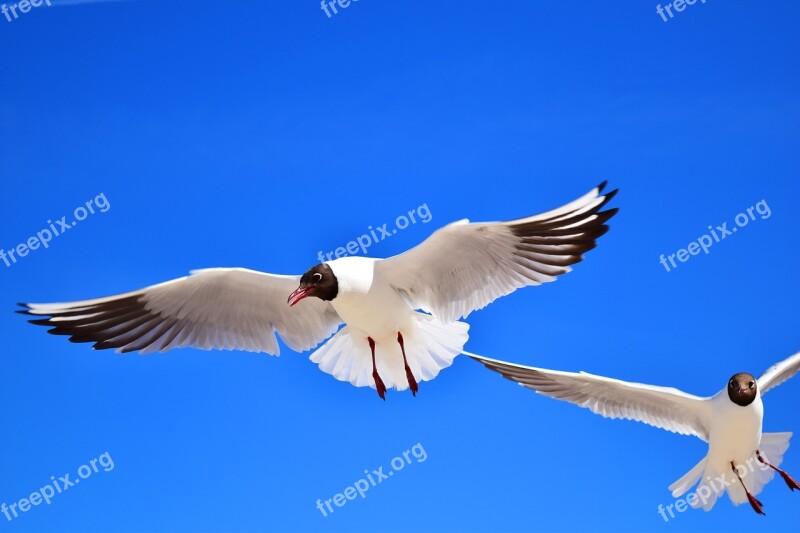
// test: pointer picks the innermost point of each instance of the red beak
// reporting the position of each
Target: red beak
(298, 294)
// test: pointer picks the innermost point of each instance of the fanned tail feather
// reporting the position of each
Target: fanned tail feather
(680, 487)
(716, 481)
(430, 346)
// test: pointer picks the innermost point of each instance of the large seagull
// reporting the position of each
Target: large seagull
(401, 315)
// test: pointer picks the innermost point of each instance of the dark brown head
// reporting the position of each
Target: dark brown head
(319, 281)
(742, 389)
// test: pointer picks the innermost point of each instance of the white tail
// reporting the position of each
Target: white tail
(715, 482)
(430, 346)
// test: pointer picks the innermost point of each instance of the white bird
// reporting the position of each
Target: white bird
(741, 459)
(460, 268)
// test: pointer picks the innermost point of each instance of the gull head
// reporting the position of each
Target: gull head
(742, 389)
(318, 281)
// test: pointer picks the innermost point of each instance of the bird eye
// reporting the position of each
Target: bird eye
(317, 276)
(732, 384)
(752, 384)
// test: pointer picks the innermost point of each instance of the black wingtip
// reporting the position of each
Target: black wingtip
(611, 194)
(606, 199)
(101, 346)
(608, 213)
(104, 345)
(602, 186)
(75, 338)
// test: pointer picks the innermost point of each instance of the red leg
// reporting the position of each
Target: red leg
(379, 386)
(755, 504)
(791, 483)
(409, 375)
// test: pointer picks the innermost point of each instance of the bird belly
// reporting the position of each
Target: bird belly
(735, 433)
(377, 313)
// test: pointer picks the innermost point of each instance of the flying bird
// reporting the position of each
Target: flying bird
(741, 459)
(401, 315)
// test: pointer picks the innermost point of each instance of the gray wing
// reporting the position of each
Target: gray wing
(218, 308)
(465, 266)
(660, 407)
(779, 373)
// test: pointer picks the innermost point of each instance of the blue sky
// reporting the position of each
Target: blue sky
(256, 134)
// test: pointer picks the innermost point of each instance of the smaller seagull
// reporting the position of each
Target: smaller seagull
(741, 459)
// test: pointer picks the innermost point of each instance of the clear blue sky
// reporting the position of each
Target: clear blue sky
(256, 134)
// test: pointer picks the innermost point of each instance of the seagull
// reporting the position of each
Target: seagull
(730, 422)
(401, 315)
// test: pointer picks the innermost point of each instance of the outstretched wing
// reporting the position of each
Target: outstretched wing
(218, 308)
(779, 373)
(463, 266)
(661, 407)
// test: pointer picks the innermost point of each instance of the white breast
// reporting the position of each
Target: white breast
(735, 431)
(366, 301)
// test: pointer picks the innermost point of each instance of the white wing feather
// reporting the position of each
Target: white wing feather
(219, 308)
(779, 373)
(661, 407)
(463, 266)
